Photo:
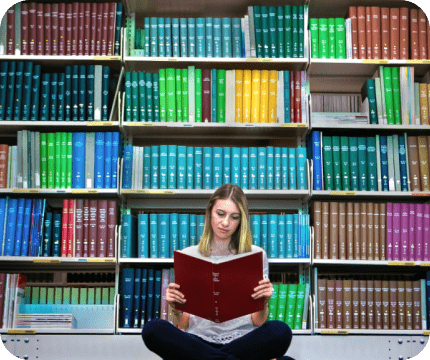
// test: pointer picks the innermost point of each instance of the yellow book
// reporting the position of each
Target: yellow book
(247, 95)
(428, 104)
(238, 114)
(424, 104)
(255, 101)
(273, 94)
(264, 96)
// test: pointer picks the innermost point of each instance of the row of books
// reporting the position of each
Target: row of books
(289, 303)
(61, 29)
(12, 292)
(81, 93)
(329, 103)
(380, 163)
(217, 95)
(265, 32)
(45, 321)
(375, 303)
(328, 38)
(61, 161)
(187, 167)
(391, 97)
(371, 231)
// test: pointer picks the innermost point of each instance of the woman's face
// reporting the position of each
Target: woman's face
(225, 219)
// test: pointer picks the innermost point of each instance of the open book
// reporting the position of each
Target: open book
(219, 291)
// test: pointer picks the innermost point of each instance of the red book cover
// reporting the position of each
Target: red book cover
(352, 14)
(206, 99)
(64, 227)
(111, 28)
(404, 33)
(24, 28)
(47, 20)
(292, 97)
(105, 24)
(93, 38)
(414, 35)
(375, 12)
(40, 46)
(75, 27)
(32, 31)
(62, 29)
(11, 31)
(81, 29)
(99, 26)
(369, 51)
(222, 285)
(4, 153)
(92, 233)
(54, 29)
(422, 34)
(79, 229)
(298, 96)
(102, 228)
(69, 34)
(395, 33)
(111, 220)
(71, 229)
(361, 28)
(2, 296)
(385, 33)
(87, 28)
(86, 227)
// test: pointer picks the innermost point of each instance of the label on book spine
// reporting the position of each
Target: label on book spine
(294, 125)
(101, 260)
(139, 124)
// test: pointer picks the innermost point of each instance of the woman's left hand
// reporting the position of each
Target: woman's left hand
(263, 290)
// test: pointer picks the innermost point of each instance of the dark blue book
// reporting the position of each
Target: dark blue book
(156, 97)
(28, 207)
(184, 231)
(143, 292)
(181, 167)
(384, 162)
(61, 96)
(183, 30)
(3, 88)
(10, 90)
(163, 236)
(153, 236)
(167, 37)
(118, 22)
(191, 37)
(45, 97)
(136, 297)
(226, 37)
(105, 93)
(68, 94)
(19, 227)
(403, 165)
(316, 160)
(209, 37)
(56, 234)
(47, 234)
(207, 168)
(127, 167)
(99, 161)
(174, 233)
(26, 92)
(236, 33)
(155, 167)
(143, 236)
(54, 97)
(157, 294)
(108, 160)
(35, 240)
(82, 103)
(115, 156)
(150, 295)
(75, 93)
(78, 160)
(9, 241)
(90, 93)
(127, 295)
(176, 50)
(18, 90)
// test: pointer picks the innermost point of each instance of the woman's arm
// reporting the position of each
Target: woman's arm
(181, 319)
(173, 296)
(260, 317)
(263, 290)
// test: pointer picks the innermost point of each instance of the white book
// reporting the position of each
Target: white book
(15, 173)
(380, 73)
(247, 37)
(6, 299)
(396, 163)
(230, 96)
(378, 163)
(411, 73)
(304, 97)
(9, 167)
(12, 290)
(390, 154)
(280, 99)
(348, 33)
(403, 97)
(191, 95)
(251, 32)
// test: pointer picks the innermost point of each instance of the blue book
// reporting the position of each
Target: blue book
(26, 92)
(147, 39)
(235, 166)
(18, 91)
(127, 170)
(207, 168)
(217, 34)
(163, 166)
(160, 34)
(193, 229)
(281, 236)
(181, 168)
(256, 229)
(284, 167)
(226, 38)
(316, 159)
(302, 182)
(384, 162)
(214, 94)
(172, 166)
(253, 168)
(75, 92)
(155, 167)
(146, 167)
(108, 160)
(127, 248)
(244, 167)
(174, 233)
(142, 236)
(153, 44)
(118, 23)
(289, 236)
(61, 97)
(19, 227)
(191, 37)
(236, 37)
(296, 235)
(149, 98)
(25, 228)
(47, 234)
(403, 165)
(67, 94)
(168, 37)
(105, 93)
(150, 295)
(277, 181)
(136, 297)
(127, 295)
(45, 97)
(157, 294)
(262, 170)
(184, 231)
(209, 38)
(143, 295)
(78, 162)
(264, 232)
(82, 104)
(90, 93)
(200, 226)
(292, 173)
(217, 167)
(190, 167)
(226, 165)
(201, 37)
(270, 163)
(163, 235)
(198, 168)
(287, 110)
(3, 88)
(9, 241)
(10, 90)
(272, 236)
(175, 38)
(183, 30)
(99, 161)
(56, 235)
(115, 156)
(153, 236)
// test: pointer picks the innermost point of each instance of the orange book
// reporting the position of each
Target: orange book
(395, 33)
(404, 33)
(361, 29)
(369, 51)
(375, 12)
(352, 14)
(385, 33)
(422, 34)
(414, 31)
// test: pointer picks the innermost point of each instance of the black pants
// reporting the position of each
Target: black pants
(271, 340)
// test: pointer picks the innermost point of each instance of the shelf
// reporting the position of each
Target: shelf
(405, 195)
(374, 128)
(170, 261)
(56, 331)
(14, 126)
(60, 192)
(370, 262)
(139, 331)
(370, 332)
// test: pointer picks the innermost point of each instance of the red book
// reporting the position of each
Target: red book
(70, 229)
(422, 34)
(2, 296)
(404, 33)
(32, 28)
(99, 26)
(111, 220)
(111, 28)
(64, 227)
(62, 29)
(86, 227)
(352, 14)
(292, 97)
(105, 23)
(92, 233)
(75, 27)
(385, 33)
(54, 29)
(206, 98)
(395, 33)
(79, 228)
(221, 283)
(11, 31)
(102, 228)
(69, 34)
(24, 28)
(361, 28)
(93, 38)
(40, 46)
(375, 12)
(4, 153)
(414, 35)
(87, 28)
(298, 96)
(81, 27)
(368, 32)
(47, 20)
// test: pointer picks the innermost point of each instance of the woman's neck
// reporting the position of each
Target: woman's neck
(221, 248)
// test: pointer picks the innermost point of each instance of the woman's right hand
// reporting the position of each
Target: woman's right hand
(174, 296)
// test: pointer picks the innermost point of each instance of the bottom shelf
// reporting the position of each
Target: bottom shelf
(371, 332)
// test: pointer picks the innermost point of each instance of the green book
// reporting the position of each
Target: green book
(337, 170)
(43, 160)
(105, 296)
(43, 293)
(170, 95)
(75, 296)
(281, 29)
(162, 83)
(353, 162)
(362, 164)
(265, 31)
(300, 301)
(198, 95)
(369, 91)
(91, 296)
(111, 295)
(273, 302)
(69, 160)
(98, 299)
(51, 160)
(282, 302)
(291, 304)
(57, 160)
(35, 295)
(127, 100)
(27, 295)
(301, 31)
(83, 293)
(134, 96)
(51, 296)
(344, 156)
(63, 170)
(258, 31)
(149, 98)
(323, 38)
(340, 38)
(58, 295)
(155, 98)
(66, 295)
(273, 47)
(220, 99)
(295, 30)
(178, 92)
(389, 96)
(288, 32)
(331, 38)
(185, 95)
(142, 97)
(372, 171)
(328, 163)
(313, 25)
(395, 76)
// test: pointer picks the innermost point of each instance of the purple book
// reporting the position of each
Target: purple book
(396, 231)
(389, 231)
(419, 238)
(426, 252)
(412, 244)
(404, 232)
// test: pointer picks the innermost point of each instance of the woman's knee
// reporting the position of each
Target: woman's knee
(280, 332)
(152, 328)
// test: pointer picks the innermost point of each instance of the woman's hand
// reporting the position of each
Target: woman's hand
(263, 290)
(174, 296)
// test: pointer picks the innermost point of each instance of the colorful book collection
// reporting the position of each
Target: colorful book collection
(61, 161)
(81, 93)
(371, 231)
(380, 163)
(61, 29)
(12, 292)
(265, 32)
(328, 38)
(187, 167)
(329, 103)
(289, 303)
(373, 303)
(222, 96)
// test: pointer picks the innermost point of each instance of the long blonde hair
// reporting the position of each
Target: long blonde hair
(241, 240)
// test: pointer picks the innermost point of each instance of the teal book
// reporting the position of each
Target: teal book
(265, 31)
(191, 37)
(288, 31)
(10, 90)
(90, 93)
(18, 91)
(301, 31)
(353, 162)
(54, 97)
(149, 98)
(127, 99)
(292, 170)
(273, 48)
(295, 30)
(217, 34)
(371, 96)
(183, 31)
(142, 97)
(153, 45)
(134, 96)
(3, 88)
(82, 103)
(45, 97)
(75, 93)
(362, 164)
(156, 97)
(281, 31)
(344, 156)
(160, 35)
(337, 169)
(258, 31)
(209, 37)
(201, 37)
(176, 52)
(226, 38)
(67, 94)
(372, 171)
(147, 38)
(172, 166)
(26, 96)
(236, 34)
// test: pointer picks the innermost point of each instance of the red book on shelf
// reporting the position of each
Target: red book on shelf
(385, 33)
(375, 12)
(102, 206)
(11, 31)
(75, 28)
(93, 38)
(24, 28)
(395, 33)
(361, 23)
(64, 227)
(404, 33)
(2, 296)
(99, 26)
(414, 35)
(111, 220)
(4, 153)
(222, 284)
(81, 28)
(369, 51)
(86, 227)
(298, 96)
(422, 34)
(292, 97)
(352, 14)
(54, 29)
(111, 28)
(79, 229)
(47, 19)
(105, 25)
(206, 98)
(40, 46)
(71, 229)
(87, 28)
(69, 33)
(92, 233)
(32, 29)
(62, 29)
